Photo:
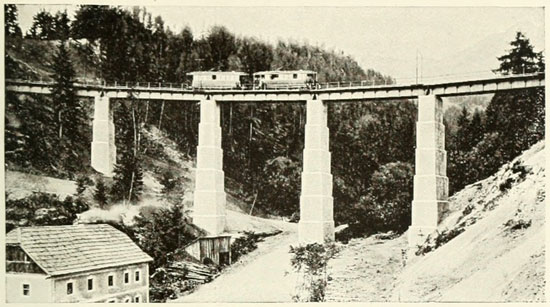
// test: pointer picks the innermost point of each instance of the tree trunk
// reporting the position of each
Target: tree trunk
(146, 112)
(253, 203)
(131, 185)
(161, 112)
(60, 124)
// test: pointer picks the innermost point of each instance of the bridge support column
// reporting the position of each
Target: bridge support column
(209, 197)
(103, 138)
(431, 185)
(316, 202)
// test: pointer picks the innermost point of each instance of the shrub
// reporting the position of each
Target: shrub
(311, 262)
(244, 245)
(516, 224)
(44, 209)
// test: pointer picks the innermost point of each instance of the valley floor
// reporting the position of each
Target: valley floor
(365, 270)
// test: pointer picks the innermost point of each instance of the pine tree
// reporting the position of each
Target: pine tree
(128, 178)
(61, 26)
(80, 185)
(462, 134)
(43, 26)
(475, 129)
(520, 59)
(11, 27)
(69, 111)
(100, 194)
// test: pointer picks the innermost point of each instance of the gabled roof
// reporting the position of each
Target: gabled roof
(68, 249)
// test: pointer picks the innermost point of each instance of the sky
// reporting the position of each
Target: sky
(445, 40)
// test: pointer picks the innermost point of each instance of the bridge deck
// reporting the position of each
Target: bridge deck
(411, 91)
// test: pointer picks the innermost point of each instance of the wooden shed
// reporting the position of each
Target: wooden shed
(211, 248)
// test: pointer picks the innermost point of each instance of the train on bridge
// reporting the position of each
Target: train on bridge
(276, 79)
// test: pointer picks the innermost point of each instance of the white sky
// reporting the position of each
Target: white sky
(450, 40)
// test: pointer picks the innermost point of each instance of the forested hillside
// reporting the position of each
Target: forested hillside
(372, 144)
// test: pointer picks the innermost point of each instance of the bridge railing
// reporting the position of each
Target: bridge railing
(87, 83)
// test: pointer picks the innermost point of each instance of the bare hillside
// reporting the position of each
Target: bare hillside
(498, 254)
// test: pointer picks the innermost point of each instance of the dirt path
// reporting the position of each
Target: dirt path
(365, 270)
(264, 275)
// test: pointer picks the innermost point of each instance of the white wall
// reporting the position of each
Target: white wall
(40, 288)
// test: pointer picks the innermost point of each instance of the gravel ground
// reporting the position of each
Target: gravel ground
(264, 275)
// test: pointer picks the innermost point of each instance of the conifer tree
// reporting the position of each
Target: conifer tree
(128, 178)
(69, 112)
(100, 194)
(11, 27)
(520, 59)
(462, 134)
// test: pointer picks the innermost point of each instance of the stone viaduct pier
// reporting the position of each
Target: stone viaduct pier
(316, 202)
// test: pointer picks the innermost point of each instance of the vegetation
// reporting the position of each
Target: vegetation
(373, 141)
(244, 245)
(512, 122)
(310, 261)
(162, 232)
(43, 209)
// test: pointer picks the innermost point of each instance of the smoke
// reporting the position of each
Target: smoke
(119, 213)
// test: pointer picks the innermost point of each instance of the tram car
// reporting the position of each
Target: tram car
(217, 79)
(287, 79)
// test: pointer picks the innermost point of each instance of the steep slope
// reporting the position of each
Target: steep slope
(499, 256)
(166, 158)
(491, 247)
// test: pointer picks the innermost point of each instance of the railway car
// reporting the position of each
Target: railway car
(291, 79)
(217, 79)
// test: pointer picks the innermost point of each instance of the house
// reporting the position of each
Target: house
(215, 249)
(75, 263)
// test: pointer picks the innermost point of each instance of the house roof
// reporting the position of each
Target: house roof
(68, 249)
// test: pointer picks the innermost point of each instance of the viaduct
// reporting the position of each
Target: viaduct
(316, 203)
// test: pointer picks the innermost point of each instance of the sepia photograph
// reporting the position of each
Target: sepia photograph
(264, 152)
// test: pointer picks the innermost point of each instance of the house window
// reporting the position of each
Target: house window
(274, 77)
(112, 300)
(90, 284)
(295, 76)
(137, 299)
(213, 77)
(127, 300)
(26, 289)
(126, 277)
(69, 288)
(110, 280)
(137, 275)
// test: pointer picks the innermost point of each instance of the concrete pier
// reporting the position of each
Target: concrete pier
(431, 185)
(209, 196)
(103, 139)
(316, 202)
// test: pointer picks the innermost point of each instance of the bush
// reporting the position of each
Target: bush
(311, 262)
(439, 239)
(244, 245)
(516, 224)
(44, 209)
